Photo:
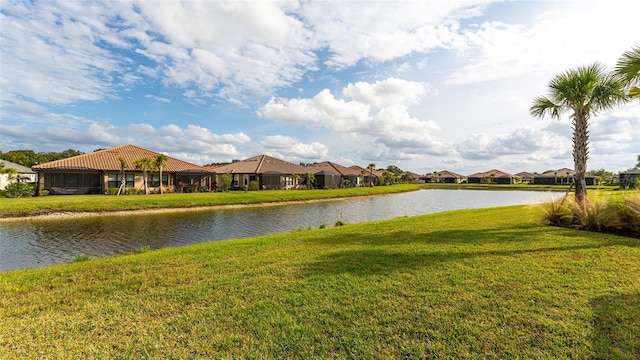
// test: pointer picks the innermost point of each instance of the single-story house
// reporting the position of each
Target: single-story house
(270, 173)
(23, 174)
(492, 177)
(369, 176)
(96, 172)
(331, 175)
(444, 176)
(524, 177)
(630, 179)
(562, 176)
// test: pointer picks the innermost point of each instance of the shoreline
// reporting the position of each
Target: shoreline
(57, 215)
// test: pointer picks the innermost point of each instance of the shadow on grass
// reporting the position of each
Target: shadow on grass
(617, 327)
(363, 256)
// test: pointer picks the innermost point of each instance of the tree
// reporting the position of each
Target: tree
(628, 68)
(144, 164)
(123, 180)
(638, 164)
(371, 167)
(226, 179)
(311, 179)
(160, 161)
(584, 91)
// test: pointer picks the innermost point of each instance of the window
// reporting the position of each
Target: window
(154, 180)
(115, 179)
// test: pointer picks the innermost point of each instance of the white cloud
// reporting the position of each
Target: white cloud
(291, 149)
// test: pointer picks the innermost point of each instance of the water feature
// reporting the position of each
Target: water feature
(40, 242)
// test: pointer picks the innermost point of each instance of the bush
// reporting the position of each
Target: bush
(81, 258)
(254, 185)
(18, 190)
(620, 216)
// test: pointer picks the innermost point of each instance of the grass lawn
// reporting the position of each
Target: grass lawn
(11, 207)
(486, 283)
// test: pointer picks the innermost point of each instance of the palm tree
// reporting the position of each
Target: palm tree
(123, 180)
(160, 161)
(144, 164)
(583, 91)
(628, 68)
(371, 167)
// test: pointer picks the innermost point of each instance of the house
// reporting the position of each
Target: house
(331, 175)
(562, 176)
(629, 179)
(96, 172)
(491, 177)
(23, 174)
(524, 177)
(270, 173)
(369, 176)
(444, 176)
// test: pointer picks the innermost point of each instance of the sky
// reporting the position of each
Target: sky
(422, 85)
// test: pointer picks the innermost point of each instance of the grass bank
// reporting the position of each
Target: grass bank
(20, 207)
(486, 283)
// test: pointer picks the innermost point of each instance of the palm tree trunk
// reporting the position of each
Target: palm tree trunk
(580, 153)
(160, 168)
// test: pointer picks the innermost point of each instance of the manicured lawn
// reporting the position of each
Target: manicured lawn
(70, 203)
(488, 283)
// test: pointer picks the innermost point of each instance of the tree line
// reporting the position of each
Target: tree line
(29, 158)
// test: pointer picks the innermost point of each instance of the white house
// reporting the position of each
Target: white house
(24, 173)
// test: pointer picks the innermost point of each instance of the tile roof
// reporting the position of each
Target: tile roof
(494, 172)
(525, 175)
(108, 160)
(366, 171)
(19, 168)
(330, 167)
(259, 165)
(448, 174)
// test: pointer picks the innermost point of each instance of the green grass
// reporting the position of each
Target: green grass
(11, 207)
(474, 284)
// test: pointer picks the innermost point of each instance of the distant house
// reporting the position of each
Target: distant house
(331, 175)
(524, 177)
(562, 176)
(23, 174)
(630, 179)
(444, 176)
(369, 176)
(491, 177)
(96, 172)
(270, 173)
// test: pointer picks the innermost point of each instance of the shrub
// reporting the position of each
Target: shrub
(44, 192)
(630, 212)
(81, 258)
(18, 190)
(143, 249)
(254, 185)
(555, 212)
(322, 226)
(596, 213)
(339, 223)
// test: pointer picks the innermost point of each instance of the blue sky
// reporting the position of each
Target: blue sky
(422, 85)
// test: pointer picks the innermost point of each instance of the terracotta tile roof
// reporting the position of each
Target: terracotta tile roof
(107, 160)
(494, 172)
(330, 167)
(525, 175)
(366, 171)
(259, 165)
(449, 174)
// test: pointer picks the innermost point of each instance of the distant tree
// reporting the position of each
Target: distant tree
(160, 161)
(628, 68)
(394, 169)
(371, 167)
(601, 175)
(584, 91)
(145, 164)
(311, 179)
(638, 163)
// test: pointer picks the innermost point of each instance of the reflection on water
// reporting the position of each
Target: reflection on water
(33, 243)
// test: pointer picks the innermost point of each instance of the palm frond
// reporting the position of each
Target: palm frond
(543, 107)
(628, 66)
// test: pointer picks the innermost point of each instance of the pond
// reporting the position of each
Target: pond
(40, 242)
